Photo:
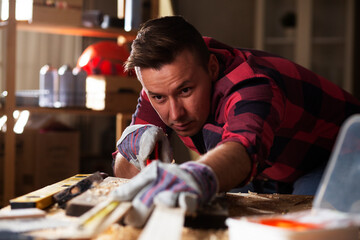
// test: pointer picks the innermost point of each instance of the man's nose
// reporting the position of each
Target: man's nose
(176, 110)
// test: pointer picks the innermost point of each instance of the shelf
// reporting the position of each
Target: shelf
(67, 110)
(316, 40)
(77, 31)
(280, 40)
(3, 24)
(329, 40)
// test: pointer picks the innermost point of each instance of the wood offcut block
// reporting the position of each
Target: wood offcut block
(84, 202)
(112, 93)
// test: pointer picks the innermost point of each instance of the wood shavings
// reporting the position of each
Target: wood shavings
(248, 204)
(101, 192)
(119, 232)
(208, 234)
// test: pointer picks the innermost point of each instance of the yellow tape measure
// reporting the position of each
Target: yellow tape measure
(43, 197)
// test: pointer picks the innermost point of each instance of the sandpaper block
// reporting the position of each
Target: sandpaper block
(84, 202)
(65, 195)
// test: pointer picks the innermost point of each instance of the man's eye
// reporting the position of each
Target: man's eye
(186, 91)
(158, 98)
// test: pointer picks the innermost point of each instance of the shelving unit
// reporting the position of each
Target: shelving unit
(321, 40)
(9, 150)
(11, 27)
(77, 31)
(69, 110)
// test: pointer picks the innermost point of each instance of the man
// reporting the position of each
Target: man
(254, 118)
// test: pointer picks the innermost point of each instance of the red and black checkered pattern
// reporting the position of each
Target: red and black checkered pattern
(286, 116)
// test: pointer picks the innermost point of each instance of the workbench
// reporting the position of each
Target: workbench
(238, 204)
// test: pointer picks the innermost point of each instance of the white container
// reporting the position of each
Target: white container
(335, 214)
(66, 87)
(80, 87)
(47, 84)
(325, 225)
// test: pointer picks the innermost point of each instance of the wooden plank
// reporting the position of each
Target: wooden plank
(84, 202)
(101, 217)
(22, 213)
(164, 224)
(246, 204)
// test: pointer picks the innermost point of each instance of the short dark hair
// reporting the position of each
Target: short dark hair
(160, 40)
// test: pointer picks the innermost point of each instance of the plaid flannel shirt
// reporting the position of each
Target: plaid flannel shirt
(286, 116)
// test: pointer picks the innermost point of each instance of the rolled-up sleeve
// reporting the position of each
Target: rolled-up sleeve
(252, 114)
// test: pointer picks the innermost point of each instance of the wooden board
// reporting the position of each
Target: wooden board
(248, 204)
(81, 204)
(164, 223)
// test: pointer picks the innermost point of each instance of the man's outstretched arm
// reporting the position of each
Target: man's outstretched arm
(230, 163)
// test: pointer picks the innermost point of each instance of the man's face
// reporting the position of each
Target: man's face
(180, 92)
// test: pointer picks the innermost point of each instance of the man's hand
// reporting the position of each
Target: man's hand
(122, 168)
(188, 185)
(140, 144)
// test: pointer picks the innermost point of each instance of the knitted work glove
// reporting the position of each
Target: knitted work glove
(188, 186)
(140, 144)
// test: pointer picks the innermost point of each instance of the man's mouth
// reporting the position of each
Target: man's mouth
(181, 126)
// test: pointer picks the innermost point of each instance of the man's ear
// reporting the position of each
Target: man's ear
(213, 67)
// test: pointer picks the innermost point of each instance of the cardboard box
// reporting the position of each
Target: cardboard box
(113, 93)
(57, 16)
(68, 3)
(45, 157)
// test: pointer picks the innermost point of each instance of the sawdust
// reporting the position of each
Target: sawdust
(119, 232)
(98, 193)
(249, 204)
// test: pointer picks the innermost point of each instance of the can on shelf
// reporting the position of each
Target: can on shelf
(47, 85)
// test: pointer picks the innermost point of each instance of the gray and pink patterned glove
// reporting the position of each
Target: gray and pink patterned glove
(142, 143)
(188, 186)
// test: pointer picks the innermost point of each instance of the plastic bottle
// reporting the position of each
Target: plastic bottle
(66, 86)
(80, 87)
(47, 85)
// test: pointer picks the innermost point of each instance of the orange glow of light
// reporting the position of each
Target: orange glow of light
(289, 224)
